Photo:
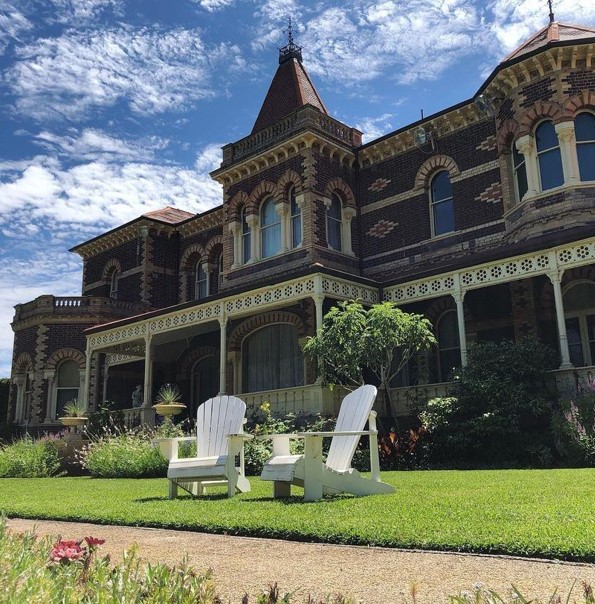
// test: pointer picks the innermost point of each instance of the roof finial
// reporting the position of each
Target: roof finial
(551, 11)
(291, 50)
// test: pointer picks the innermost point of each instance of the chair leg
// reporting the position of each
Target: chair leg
(281, 489)
(173, 489)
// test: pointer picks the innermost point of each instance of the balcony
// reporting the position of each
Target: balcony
(91, 308)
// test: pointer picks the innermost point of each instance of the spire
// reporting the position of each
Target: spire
(290, 89)
(551, 11)
(290, 50)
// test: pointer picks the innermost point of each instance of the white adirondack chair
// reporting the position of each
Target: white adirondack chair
(219, 440)
(336, 474)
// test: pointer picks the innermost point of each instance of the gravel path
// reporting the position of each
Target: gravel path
(371, 574)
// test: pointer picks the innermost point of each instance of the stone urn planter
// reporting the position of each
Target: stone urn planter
(73, 421)
(169, 409)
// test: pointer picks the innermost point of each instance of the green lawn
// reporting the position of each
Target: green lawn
(549, 513)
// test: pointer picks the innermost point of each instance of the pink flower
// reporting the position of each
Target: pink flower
(94, 541)
(67, 551)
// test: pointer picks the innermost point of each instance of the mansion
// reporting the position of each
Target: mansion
(479, 217)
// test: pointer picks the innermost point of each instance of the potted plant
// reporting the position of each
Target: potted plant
(167, 402)
(75, 414)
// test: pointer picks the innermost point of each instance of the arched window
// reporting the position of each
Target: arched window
(334, 223)
(548, 156)
(270, 229)
(67, 385)
(443, 214)
(579, 310)
(520, 173)
(246, 238)
(205, 381)
(584, 128)
(272, 359)
(449, 348)
(296, 219)
(200, 282)
(113, 284)
(27, 396)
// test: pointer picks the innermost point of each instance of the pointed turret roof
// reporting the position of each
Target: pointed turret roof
(290, 89)
(550, 34)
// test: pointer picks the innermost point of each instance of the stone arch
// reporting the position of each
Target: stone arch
(507, 132)
(213, 248)
(266, 187)
(288, 179)
(584, 100)
(195, 355)
(433, 164)
(194, 250)
(23, 363)
(66, 354)
(238, 335)
(438, 307)
(236, 202)
(338, 184)
(109, 268)
(539, 111)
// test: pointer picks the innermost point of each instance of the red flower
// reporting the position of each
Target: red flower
(67, 551)
(94, 541)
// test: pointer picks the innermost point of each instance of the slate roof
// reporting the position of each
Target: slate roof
(552, 32)
(169, 215)
(290, 89)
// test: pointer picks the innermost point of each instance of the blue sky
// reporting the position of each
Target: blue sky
(112, 108)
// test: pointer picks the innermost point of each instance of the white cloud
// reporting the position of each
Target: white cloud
(375, 127)
(12, 24)
(84, 10)
(152, 71)
(215, 5)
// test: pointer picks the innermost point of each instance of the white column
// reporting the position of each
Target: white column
(348, 215)
(148, 385)
(253, 222)
(556, 279)
(526, 146)
(284, 214)
(236, 231)
(222, 352)
(105, 379)
(566, 138)
(459, 296)
(87, 385)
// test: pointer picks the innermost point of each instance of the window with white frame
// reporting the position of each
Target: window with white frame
(584, 129)
(579, 312)
(67, 385)
(246, 238)
(442, 203)
(200, 281)
(295, 219)
(549, 159)
(270, 229)
(519, 169)
(334, 223)
(449, 348)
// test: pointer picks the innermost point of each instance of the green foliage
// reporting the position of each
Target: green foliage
(107, 418)
(168, 395)
(538, 513)
(128, 454)
(74, 409)
(483, 595)
(28, 458)
(501, 410)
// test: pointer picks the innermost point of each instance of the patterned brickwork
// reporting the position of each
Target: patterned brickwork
(126, 254)
(488, 144)
(506, 111)
(379, 184)
(576, 82)
(493, 194)
(537, 91)
(382, 228)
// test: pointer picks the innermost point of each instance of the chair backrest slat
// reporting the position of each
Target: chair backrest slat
(353, 414)
(215, 419)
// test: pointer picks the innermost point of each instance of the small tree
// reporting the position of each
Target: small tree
(381, 339)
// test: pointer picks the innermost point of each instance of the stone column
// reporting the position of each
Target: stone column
(459, 296)
(556, 278)
(284, 215)
(253, 222)
(148, 385)
(566, 138)
(236, 231)
(348, 215)
(87, 383)
(526, 146)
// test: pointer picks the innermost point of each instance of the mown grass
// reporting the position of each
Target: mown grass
(546, 513)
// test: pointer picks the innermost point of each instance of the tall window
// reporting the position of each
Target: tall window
(270, 229)
(200, 282)
(584, 128)
(548, 156)
(442, 204)
(520, 173)
(246, 238)
(272, 359)
(67, 387)
(296, 219)
(113, 284)
(334, 222)
(27, 397)
(579, 310)
(449, 348)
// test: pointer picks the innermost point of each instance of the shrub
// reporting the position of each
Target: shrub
(28, 458)
(501, 410)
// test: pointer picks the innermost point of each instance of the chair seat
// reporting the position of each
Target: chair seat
(193, 467)
(281, 467)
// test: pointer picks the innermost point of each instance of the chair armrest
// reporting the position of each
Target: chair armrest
(241, 435)
(331, 434)
(169, 446)
(273, 437)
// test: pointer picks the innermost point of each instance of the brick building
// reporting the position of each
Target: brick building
(479, 216)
